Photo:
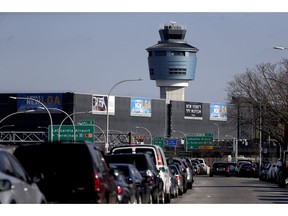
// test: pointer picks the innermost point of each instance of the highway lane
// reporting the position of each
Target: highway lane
(232, 190)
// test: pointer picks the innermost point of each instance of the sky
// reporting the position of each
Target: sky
(89, 52)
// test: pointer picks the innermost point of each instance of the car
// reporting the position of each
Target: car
(196, 168)
(70, 172)
(183, 171)
(174, 183)
(158, 157)
(271, 174)
(125, 193)
(232, 166)
(16, 186)
(246, 170)
(220, 168)
(203, 165)
(143, 162)
(180, 182)
(136, 182)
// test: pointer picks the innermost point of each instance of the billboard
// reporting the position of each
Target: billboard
(99, 104)
(218, 112)
(140, 107)
(193, 110)
(50, 100)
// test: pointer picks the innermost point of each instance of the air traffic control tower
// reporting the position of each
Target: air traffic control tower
(172, 62)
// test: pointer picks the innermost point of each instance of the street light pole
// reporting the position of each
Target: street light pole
(73, 123)
(235, 146)
(69, 116)
(185, 137)
(280, 47)
(27, 98)
(7, 126)
(151, 139)
(107, 111)
(218, 131)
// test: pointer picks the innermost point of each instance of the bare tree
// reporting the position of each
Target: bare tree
(262, 91)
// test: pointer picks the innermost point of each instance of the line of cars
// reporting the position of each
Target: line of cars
(243, 168)
(79, 172)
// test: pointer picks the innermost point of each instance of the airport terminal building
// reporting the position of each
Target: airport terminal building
(144, 119)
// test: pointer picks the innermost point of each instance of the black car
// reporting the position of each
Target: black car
(125, 193)
(232, 167)
(69, 172)
(181, 166)
(220, 168)
(246, 170)
(135, 181)
(147, 169)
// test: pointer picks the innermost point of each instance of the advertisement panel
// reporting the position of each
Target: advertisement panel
(218, 112)
(193, 110)
(50, 100)
(140, 107)
(99, 104)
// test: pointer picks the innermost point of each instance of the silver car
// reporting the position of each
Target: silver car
(15, 185)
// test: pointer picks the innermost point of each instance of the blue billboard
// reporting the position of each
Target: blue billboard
(140, 107)
(33, 101)
(218, 112)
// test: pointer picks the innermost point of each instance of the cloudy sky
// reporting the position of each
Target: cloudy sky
(89, 52)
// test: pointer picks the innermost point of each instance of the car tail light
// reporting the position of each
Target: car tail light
(150, 178)
(119, 190)
(227, 168)
(177, 177)
(97, 182)
(159, 162)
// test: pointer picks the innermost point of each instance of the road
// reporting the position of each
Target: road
(232, 190)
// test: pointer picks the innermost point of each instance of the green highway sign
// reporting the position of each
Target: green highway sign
(159, 141)
(82, 133)
(87, 122)
(196, 142)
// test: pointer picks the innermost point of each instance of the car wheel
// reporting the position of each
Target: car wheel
(162, 198)
(150, 201)
(168, 198)
(139, 201)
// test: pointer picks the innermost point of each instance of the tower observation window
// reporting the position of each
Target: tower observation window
(177, 53)
(177, 71)
(175, 36)
(160, 53)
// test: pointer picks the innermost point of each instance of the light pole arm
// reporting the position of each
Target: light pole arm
(51, 122)
(148, 132)
(107, 110)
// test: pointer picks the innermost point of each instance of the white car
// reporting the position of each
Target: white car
(15, 185)
(203, 164)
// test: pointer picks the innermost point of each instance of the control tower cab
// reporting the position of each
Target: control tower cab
(172, 62)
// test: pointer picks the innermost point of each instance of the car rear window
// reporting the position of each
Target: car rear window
(139, 161)
(56, 164)
(219, 165)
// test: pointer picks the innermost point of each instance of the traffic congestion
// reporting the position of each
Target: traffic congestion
(79, 172)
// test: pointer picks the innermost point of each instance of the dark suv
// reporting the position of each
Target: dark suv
(147, 169)
(69, 172)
